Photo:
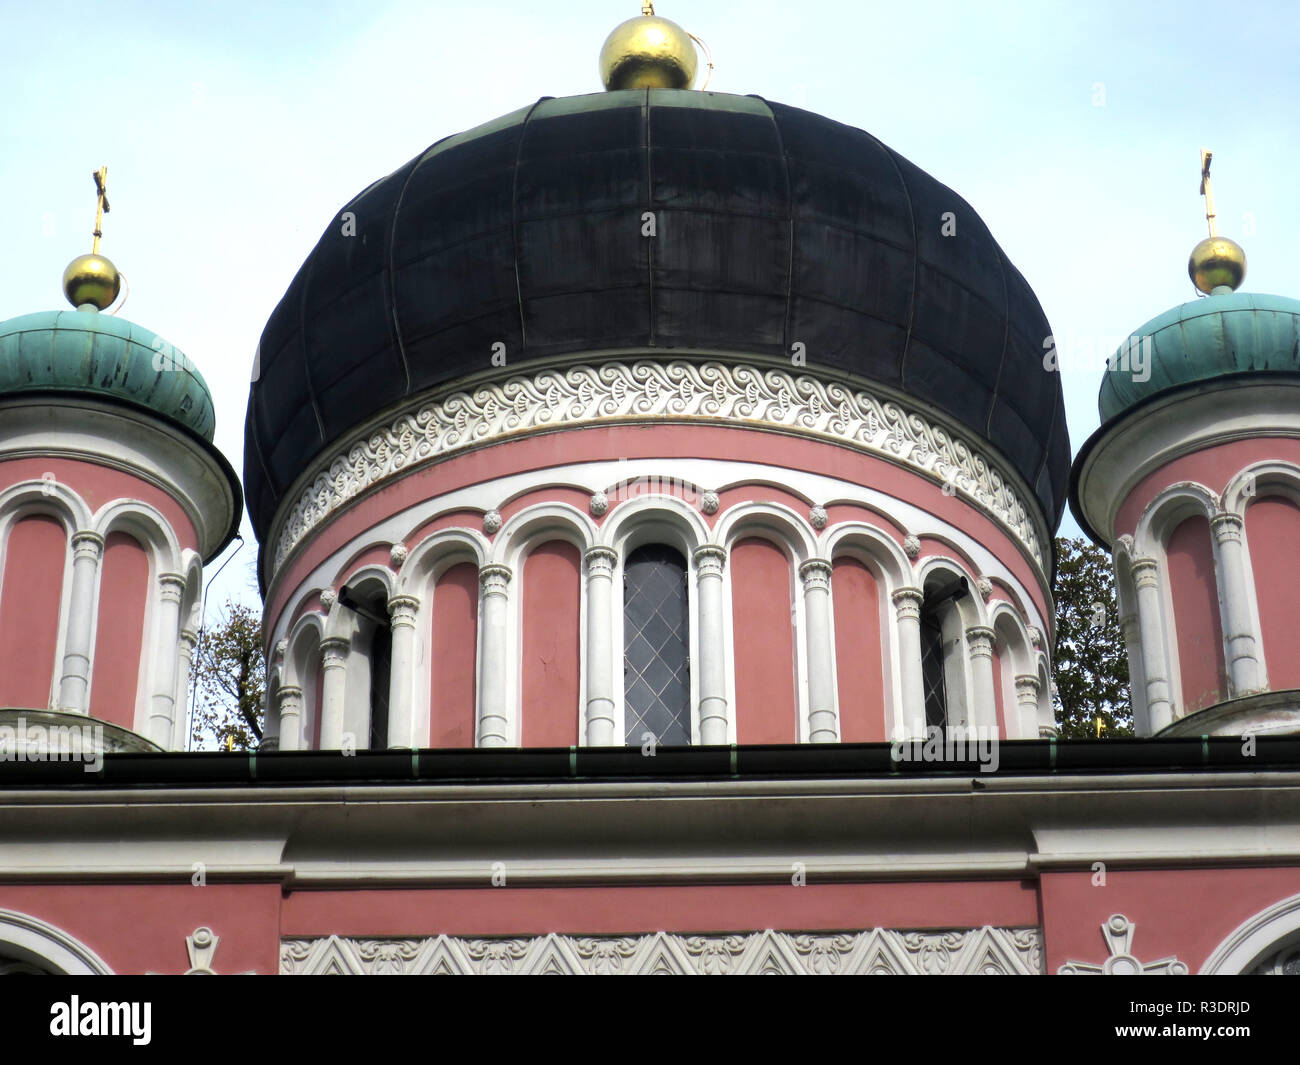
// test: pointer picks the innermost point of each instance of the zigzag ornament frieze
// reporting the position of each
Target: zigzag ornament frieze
(617, 391)
(879, 951)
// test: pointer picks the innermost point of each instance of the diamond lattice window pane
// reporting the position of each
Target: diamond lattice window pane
(656, 646)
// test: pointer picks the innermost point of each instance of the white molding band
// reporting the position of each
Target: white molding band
(679, 391)
(879, 951)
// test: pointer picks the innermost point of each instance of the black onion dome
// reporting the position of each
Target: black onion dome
(774, 226)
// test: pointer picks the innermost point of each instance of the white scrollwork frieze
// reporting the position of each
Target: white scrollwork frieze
(987, 950)
(617, 391)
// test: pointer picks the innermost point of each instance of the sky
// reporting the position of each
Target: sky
(235, 131)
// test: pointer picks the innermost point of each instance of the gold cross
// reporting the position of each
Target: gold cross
(1207, 191)
(101, 204)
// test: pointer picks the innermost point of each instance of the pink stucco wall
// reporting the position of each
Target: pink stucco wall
(30, 596)
(859, 658)
(549, 672)
(123, 597)
(455, 642)
(1273, 533)
(1197, 622)
(764, 642)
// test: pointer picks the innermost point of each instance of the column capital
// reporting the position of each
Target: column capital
(815, 574)
(1227, 527)
(1146, 572)
(979, 638)
(493, 579)
(289, 697)
(334, 650)
(172, 586)
(907, 602)
(87, 544)
(189, 639)
(1027, 688)
(709, 560)
(601, 561)
(402, 610)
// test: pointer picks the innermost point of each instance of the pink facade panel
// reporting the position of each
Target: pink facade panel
(1273, 531)
(455, 642)
(30, 599)
(549, 674)
(764, 642)
(1196, 615)
(859, 652)
(123, 597)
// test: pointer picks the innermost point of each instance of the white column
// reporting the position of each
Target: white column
(1155, 662)
(1131, 628)
(816, 577)
(290, 699)
(1027, 692)
(334, 689)
(402, 610)
(979, 641)
(709, 561)
(162, 704)
(494, 698)
(74, 678)
(1241, 633)
(909, 719)
(184, 674)
(600, 652)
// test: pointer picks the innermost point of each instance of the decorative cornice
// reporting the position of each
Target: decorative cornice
(879, 951)
(640, 391)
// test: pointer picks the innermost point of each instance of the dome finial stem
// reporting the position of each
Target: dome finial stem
(101, 205)
(1207, 191)
(647, 7)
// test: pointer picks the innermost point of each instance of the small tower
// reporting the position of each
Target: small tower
(111, 498)
(1193, 482)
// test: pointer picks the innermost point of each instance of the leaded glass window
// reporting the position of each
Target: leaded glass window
(656, 646)
(932, 669)
(381, 658)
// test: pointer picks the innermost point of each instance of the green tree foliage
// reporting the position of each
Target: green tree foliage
(1090, 660)
(230, 681)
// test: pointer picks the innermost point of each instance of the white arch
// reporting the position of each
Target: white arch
(1173, 505)
(538, 523)
(438, 552)
(147, 525)
(1255, 939)
(44, 497)
(871, 541)
(1261, 479)
(654, 518)
(32, 940)
(771, 521)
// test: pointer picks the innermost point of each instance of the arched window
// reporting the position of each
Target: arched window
(374, 638)
(656, 647)
(941, 634)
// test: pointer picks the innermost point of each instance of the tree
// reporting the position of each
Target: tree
(230, 680)
(1090, 660)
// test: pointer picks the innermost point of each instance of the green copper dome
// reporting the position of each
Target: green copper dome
(1219, 336)
(83, 351)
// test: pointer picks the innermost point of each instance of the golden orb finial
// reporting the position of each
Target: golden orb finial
(648, 52)
(93, 279)
(1216, 263)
